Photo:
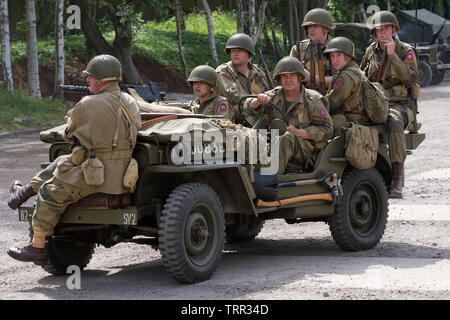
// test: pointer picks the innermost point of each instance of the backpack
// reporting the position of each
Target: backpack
(361, 145)
(375, 99)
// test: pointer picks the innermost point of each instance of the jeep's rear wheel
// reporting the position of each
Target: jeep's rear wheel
(360, 215)
(191, 232)
(63, 253)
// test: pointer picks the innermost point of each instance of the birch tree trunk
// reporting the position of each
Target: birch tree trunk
(240, 16)
(59, 46)
(212, 41)
(179, 36)
(6, 52)
(261, 18)
(251, 17)
(32, 53)
(179, 14)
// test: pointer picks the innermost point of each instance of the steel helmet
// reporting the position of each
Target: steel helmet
(383, 18)
(104, 68)
(240, 41)
(203, 73)
(318, 16)
(341, 44)
(288, 65)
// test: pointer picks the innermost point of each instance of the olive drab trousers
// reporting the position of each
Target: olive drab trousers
(399, 118)
(53, 197)
(296, 150)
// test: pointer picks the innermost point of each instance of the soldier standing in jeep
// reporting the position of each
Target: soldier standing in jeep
(399, 74)
(239, 77)
(317, 23)
(105, 127)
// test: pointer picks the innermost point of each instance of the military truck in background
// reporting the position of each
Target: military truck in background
(429, 35)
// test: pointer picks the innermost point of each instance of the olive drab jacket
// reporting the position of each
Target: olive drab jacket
(93, 123)
(307, 112)
(305, 56)
(345, 95)
(214, 105)
(400, 69)
(233, 85)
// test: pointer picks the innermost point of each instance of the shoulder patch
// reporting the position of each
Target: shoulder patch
(336, 83)
(322, 111)
(409, 56)
(223, 107)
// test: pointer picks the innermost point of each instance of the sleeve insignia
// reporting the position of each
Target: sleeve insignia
(410, 56)
(223, 107)
(322, 112)
(336, 83)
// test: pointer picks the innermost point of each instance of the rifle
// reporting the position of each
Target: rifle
(264, 67)
(153, 117)
(322, 88)
(149, 92)
(380, 65)
(312, 66)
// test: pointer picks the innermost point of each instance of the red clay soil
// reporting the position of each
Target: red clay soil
(167, 78)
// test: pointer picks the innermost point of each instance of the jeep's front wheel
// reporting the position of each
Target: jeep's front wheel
(191, 232)
(360, 215)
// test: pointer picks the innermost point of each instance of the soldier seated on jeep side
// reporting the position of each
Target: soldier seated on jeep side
(345, 95)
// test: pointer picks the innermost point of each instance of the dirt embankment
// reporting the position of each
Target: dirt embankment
(150, 70)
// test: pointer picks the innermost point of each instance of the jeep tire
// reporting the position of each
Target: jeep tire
(360, 215)
(191, 232)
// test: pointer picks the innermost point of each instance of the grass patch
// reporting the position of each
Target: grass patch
(20, 105)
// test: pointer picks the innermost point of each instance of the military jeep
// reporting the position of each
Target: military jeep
(188, 210)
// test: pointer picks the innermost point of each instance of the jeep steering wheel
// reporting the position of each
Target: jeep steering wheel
(261, 117)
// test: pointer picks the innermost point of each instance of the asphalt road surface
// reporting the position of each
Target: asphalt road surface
(285, 261)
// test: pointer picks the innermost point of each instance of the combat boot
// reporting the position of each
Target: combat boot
(19, 194)
(397, 181)
(36, 252)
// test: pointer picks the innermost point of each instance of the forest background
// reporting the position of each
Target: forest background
(156, 41)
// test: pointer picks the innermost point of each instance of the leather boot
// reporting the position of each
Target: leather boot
(19, 194)
(397, 180)
(36, 252)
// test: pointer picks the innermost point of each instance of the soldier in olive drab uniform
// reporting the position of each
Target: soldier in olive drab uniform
(203, 81)
(400, 73)
(344, 97)
(103, 125)
(239, 77)
(317, 24)
(310, 125)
